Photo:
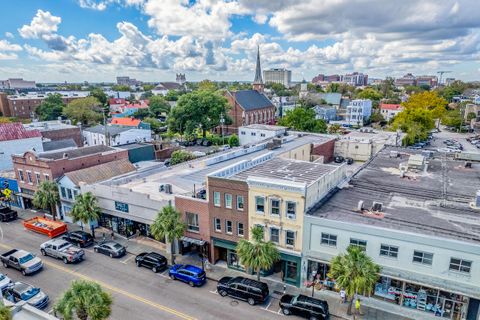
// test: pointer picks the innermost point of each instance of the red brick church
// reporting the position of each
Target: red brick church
(250, 106)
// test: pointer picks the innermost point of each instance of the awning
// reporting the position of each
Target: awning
(193, 241)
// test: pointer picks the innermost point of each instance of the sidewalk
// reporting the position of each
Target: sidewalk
(372, 309)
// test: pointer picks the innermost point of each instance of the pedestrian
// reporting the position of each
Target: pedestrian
(342, 295)
(104, 237)
(357, 306)
(112, 235)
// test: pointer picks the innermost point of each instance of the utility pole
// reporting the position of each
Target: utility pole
(222, 121)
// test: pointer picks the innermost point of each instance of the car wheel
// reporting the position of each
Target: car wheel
(43, 252)
(96, 250)
(286, 312)
(111, 255)
(139, 264)
(154, 269)
(24, 272)
(5, 265)
(173, 277)
(65, 260)
(251, 301)
(223, 293)
(191, 284)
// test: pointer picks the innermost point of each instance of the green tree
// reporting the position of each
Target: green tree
(427, 100)
(46, 197)
(333, 87)
(377, 117)
(51, 107)
(233, 141)
(99, 95)
(302, 119)
(453, 118)
(335, 128)
(179, 156)
(5, 312)
(146, 95)
(257, 254)
(369, 93)
(471, 115)
(171, 95)
(148, 87)
(85, 300)
(198, 109)
(158, 105)
(142, 114)
(207, 85)
(169, 226)
(415, 122)
(85, 110)
(85, 209)
(454, 89)
(355, 272)
(121, 87)
(155, 124)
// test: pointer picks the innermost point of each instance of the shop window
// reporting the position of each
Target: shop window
(228, 201)
(192, 222)
(228, 227)
(260, 204)
(291, 270)
(20, 175)
(29, 177)
(291, 210)
(290, 238)
(274, 235)
(63, 192)
(216, 199)
(423, 257)
(329, 239)
(240, 203)
(359, 243)
(460, 265)
(274, 206)
(37, 177)
(240, 230)
(388, 251)
(218, 225)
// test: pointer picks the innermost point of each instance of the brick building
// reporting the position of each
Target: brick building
(57, 130)
(32, 168)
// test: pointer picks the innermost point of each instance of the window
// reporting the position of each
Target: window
(216, 199)
(29, 177)
(359, 243)
(240, 229)
(75, 193)
(228, 200)
(228, 226)
(218, 224)
(290, 238)
(422, 257)
(260, 204)
(37, 177)
(460, 265)
(69, 194)
(388, 251)
(192, 222)
(20, 175)
(253, 134)
(274, 206)
(240, 203)
(274, 235)
(47, 177)
(262, 134)
(329, 239)
(242, 132)
(63, 192)
(291, 209)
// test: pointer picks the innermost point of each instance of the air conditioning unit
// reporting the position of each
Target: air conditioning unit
(291, 216)
(168, 188)
(360, 205)
(377, 206)
(161, 188)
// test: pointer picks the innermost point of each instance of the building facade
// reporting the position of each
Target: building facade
(15, 139)
(278, 75)
(255, 133)
(355, 79)
(389, 111)
(115, 135)
(57, 130)
(358, 111)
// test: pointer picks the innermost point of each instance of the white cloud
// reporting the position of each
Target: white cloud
(103, 4)
(9, 35)
(7, 50)
(44, 23)
(260, 18)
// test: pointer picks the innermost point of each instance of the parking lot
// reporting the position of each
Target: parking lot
(439, 139)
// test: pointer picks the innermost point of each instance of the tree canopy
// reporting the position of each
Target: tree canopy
(303, 119)
(207, 85)
(158, 105)
(453, 118)
(99, 95)
(168, 225)
(370, 93)
(85, 110)
(51, 107)
(233, 141)
(179, 156)
(46, 197)
(121, 87)
(85, 209)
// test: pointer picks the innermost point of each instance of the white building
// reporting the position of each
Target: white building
(420, 225)
(281, 76)
(15, 139)
(254, 133)
(388, 111)
(17, 83)
(358, 111)
(117, 136)
(363, 144)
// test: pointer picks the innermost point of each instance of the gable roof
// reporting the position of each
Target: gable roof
(251, 100)
(59, 144)
(16, 131)
(390, 106)
(132, 122)
(168, 86)
(100, 172)
(117, 101)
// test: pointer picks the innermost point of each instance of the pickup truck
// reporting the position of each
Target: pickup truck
(62, 249)
(21, 260)
(7, 214)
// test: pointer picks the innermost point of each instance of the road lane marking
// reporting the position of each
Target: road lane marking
(214, 292)
(128, 259)
(114, 289)
(266, 308)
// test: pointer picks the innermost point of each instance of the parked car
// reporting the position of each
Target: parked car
(61, 249)
(305, 307)
(20, 291)
(110, 248)
(151, 260)
(79, 238)
(192, 275)
(7, 214)
(349, 161)
(21, 260)
(339, 159)
(242, 288)
(4, 282)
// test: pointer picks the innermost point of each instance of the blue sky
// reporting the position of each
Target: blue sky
(151, 40)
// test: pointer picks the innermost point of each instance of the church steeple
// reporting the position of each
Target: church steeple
(258, 82)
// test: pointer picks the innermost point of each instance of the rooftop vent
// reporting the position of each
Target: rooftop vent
(377, 206)
(65, 156)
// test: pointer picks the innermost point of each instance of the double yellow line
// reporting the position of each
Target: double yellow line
(114, 289)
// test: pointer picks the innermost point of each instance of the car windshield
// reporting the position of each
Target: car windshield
(26, 258)
(29, 293)
(117, 246)
(294, 300)
(2, 277)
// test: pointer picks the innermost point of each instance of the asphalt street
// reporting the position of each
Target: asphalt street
(137, 293)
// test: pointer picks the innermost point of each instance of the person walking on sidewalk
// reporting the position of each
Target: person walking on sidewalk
(342, 296)
(357, 313)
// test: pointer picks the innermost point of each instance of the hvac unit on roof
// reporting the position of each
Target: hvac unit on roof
(168, 188)
(377, 206)
(360, 205)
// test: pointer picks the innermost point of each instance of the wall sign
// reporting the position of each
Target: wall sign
(120, 206)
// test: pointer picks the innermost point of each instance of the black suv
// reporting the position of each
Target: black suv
(152, 260)
(244, 289)
(7, 214)
(305, 307)
(79, 238)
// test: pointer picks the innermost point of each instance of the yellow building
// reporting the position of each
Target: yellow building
(280, 192)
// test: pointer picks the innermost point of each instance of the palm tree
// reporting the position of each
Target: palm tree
(86, 300)
(5, 313)
(46, 197)
(355, 272)
(169, 226)
(257, 254)
(85, 209)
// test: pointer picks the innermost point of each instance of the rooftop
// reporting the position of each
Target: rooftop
(264, 127)
(101, 172)
(251, 99)
(75, 153)
(59, 144)
(390, 106)
(131, 122)
(49, 125)
(435, 202)
(16, 131)
(112, 130)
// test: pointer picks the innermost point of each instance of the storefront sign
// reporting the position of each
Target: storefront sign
(120, 206)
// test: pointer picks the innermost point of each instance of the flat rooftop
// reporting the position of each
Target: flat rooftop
(48, 125)
(76, 153)
(264, 127)
(435, 202)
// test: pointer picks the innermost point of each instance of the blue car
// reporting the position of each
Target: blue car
(192, 275)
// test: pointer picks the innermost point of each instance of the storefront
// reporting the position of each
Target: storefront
(225, 250)
(436, 301)
(123, 226)
(191, 246)
(9, 192)
(319, 270)
(289, 268)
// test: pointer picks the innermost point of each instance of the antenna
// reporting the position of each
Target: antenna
(441, 75)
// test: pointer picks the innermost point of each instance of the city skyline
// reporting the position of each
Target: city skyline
(152, 40)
